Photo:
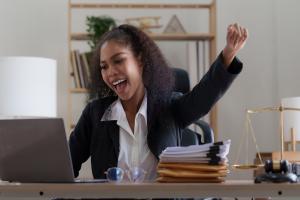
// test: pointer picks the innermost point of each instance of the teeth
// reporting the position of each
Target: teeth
(118, 81)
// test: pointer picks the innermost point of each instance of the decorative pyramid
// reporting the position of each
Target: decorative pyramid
(174, 26)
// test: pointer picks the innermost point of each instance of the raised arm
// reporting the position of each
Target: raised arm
(195, 104)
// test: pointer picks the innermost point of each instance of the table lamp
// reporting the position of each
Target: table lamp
(28, 87)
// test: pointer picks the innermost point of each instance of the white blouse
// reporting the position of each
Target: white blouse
(134, 150)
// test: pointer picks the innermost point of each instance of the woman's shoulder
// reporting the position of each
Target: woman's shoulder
(101, 103)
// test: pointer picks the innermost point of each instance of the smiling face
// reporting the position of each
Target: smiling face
(121, 71)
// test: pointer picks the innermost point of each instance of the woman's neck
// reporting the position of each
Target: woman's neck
(132, 105)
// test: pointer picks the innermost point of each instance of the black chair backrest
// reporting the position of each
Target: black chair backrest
(189, 137)
(182, 81)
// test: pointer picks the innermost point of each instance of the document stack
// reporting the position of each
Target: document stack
(196, 163)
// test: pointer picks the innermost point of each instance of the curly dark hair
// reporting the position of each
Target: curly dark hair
(157, 76)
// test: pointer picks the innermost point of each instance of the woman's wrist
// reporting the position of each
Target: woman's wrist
(228, 56)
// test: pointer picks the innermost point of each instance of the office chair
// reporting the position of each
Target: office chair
(190, 137)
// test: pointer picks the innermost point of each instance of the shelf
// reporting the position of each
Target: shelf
(136, 5)
(155, 36)
(197, 37)
(79, 90)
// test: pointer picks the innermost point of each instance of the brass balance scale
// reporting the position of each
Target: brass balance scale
(276, 170)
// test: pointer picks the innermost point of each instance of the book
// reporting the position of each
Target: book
(80, 70)
(75, 70)
(86, 69)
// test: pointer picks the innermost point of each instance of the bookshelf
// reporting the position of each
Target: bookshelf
(209, 37)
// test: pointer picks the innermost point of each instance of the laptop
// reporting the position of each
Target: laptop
(35, 150)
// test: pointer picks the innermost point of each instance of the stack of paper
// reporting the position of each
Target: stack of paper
(196, 163)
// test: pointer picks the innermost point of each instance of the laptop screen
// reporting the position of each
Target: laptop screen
(34, 150)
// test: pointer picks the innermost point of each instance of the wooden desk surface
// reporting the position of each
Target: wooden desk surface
(149, 190)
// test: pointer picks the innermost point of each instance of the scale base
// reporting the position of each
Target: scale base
(277, 178)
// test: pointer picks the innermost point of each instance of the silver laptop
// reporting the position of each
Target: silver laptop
(35, 150)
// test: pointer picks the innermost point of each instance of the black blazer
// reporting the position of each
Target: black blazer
(100, 139)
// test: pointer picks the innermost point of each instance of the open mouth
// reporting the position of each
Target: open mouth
(120, 85)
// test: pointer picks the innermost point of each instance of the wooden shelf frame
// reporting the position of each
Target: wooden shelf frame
(160, 37)
(139, 6)
(211, 36)
(79, 90)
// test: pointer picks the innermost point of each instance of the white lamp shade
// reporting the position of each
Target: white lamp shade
(28, 87)
(291, 118)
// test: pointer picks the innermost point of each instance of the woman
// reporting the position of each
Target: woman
(136, 115)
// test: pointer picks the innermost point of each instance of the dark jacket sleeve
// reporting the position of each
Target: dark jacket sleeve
(198, 102)
(79, 141)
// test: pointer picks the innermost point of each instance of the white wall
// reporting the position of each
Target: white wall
(288, 43)
(257, 84)
(39, 28)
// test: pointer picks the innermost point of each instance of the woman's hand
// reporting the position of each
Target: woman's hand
(236, 39)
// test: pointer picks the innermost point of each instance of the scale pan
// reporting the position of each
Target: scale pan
(247, 166)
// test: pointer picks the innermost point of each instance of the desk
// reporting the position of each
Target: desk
(149, 190)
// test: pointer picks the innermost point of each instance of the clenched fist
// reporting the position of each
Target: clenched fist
(235, 40)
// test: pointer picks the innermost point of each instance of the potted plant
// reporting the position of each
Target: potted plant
(97, 26)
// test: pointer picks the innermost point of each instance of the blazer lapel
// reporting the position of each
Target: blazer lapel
(161, 131)
(150, 113)
(112, 130)
(151, 137)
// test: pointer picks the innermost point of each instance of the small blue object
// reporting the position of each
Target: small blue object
(114, 174)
